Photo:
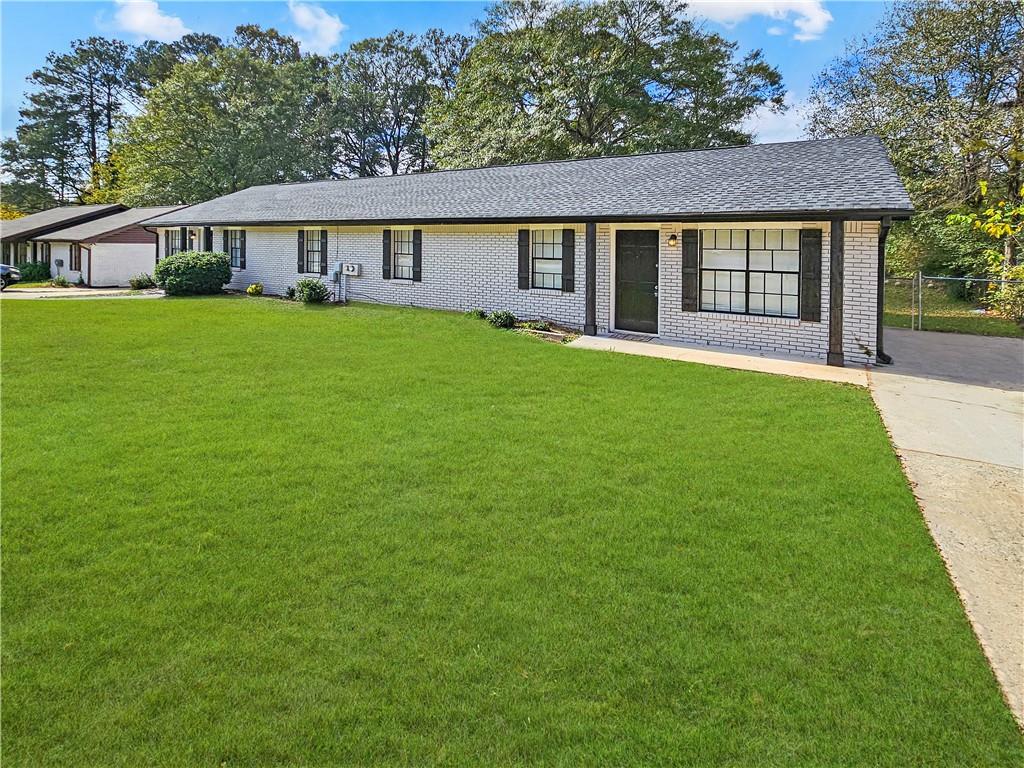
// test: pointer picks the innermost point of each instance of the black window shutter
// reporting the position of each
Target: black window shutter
(568, 260)
(302, 250)
(207, 238)
(227, 242)
(167, 244)
(690, 270)
(323, 251)
(183, 239)
(810, 275)
(241, 249)
(524, 259)
(386, 262)
(417, 255)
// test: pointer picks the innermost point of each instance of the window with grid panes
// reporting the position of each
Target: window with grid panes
(546, 254)
(312, 240)
(401, 249)
(235, 248)
(751, 271)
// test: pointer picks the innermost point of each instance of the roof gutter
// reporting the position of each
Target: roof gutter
(863, 214)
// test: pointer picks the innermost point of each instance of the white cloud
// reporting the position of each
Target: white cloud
(767, 126)
(810, 17)
(776, 30)
(321, 30)
(144, 19)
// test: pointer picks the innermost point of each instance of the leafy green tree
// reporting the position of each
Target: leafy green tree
(549, 80)
(940, 81)
(225, 121)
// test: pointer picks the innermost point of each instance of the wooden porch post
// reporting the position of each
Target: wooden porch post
(835, 294)
(590, 321)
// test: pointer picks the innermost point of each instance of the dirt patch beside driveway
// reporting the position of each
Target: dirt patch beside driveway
(954, 406)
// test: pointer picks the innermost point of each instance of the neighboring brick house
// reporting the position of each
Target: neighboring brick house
(18, 234)
(104, 252)
(738, 247)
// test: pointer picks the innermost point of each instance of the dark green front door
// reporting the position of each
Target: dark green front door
(636, 280)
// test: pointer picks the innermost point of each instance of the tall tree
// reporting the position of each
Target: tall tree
(225, 121)
(551, 80)
(942, 83)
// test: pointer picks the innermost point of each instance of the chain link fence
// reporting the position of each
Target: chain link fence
(934, 302)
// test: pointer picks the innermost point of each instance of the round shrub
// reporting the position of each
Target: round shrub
(193, 272)
(34, 271)
(60, 281)
(256, 289)
(477, 314)
(502, 319)
(141, 282)
(309, 290)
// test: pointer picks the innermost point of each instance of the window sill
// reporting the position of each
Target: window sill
(759, 319)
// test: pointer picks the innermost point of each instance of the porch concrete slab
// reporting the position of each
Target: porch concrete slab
(787, 366)
(954, 407)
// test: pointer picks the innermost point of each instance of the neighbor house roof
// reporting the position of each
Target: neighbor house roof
(850, 176)
(98, 228)
(55, 218)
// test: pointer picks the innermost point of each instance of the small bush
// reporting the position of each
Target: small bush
(477, 314)
(193, 273)
(536, 325)
(141, 282)
(60, 281)
(34, 272)
(289, 293)
(1007, 299)
(502, 319)
(256, 289)
(309, 290)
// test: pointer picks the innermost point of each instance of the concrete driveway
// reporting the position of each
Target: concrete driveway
(78, 292)
(954, 406)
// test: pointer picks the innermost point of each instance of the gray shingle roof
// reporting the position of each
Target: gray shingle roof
(54, 218)
(90, 230)
(826, 176)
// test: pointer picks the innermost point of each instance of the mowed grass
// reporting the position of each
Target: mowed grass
(247, 532)
(943, 312)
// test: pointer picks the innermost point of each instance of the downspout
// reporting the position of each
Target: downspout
(156, 238)
(883, 236)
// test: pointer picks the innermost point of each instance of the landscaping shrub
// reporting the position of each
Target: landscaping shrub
(536, 325)
(256, 289)
(60, 281)
(289, 293)
(309, 290)
(142, 282)
(193, 272)
(502, 319)
(34, 272)
(1007, 299)
(477, 314)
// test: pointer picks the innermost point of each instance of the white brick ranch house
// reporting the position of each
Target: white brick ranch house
(773, 247)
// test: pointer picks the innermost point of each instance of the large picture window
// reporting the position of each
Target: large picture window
(312, 240)
(546, 258)
(235, 248)
(401, 247)
(751, 271)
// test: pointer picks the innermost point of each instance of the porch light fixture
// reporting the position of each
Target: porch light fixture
(673, 240)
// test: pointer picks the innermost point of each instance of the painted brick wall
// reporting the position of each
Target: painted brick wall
(476, 266)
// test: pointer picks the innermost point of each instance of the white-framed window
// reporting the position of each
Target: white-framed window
(401, 254)
(546, 258)
(751, 271)
(235, 248)
(312, 240)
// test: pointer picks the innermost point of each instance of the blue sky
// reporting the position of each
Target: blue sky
(798, 36)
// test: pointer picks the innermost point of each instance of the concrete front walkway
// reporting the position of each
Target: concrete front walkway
(954, 406)
(804, 368)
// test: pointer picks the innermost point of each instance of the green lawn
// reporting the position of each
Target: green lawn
(248, 532)
(943, 312)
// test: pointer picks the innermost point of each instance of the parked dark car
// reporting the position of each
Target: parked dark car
(8, 275)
